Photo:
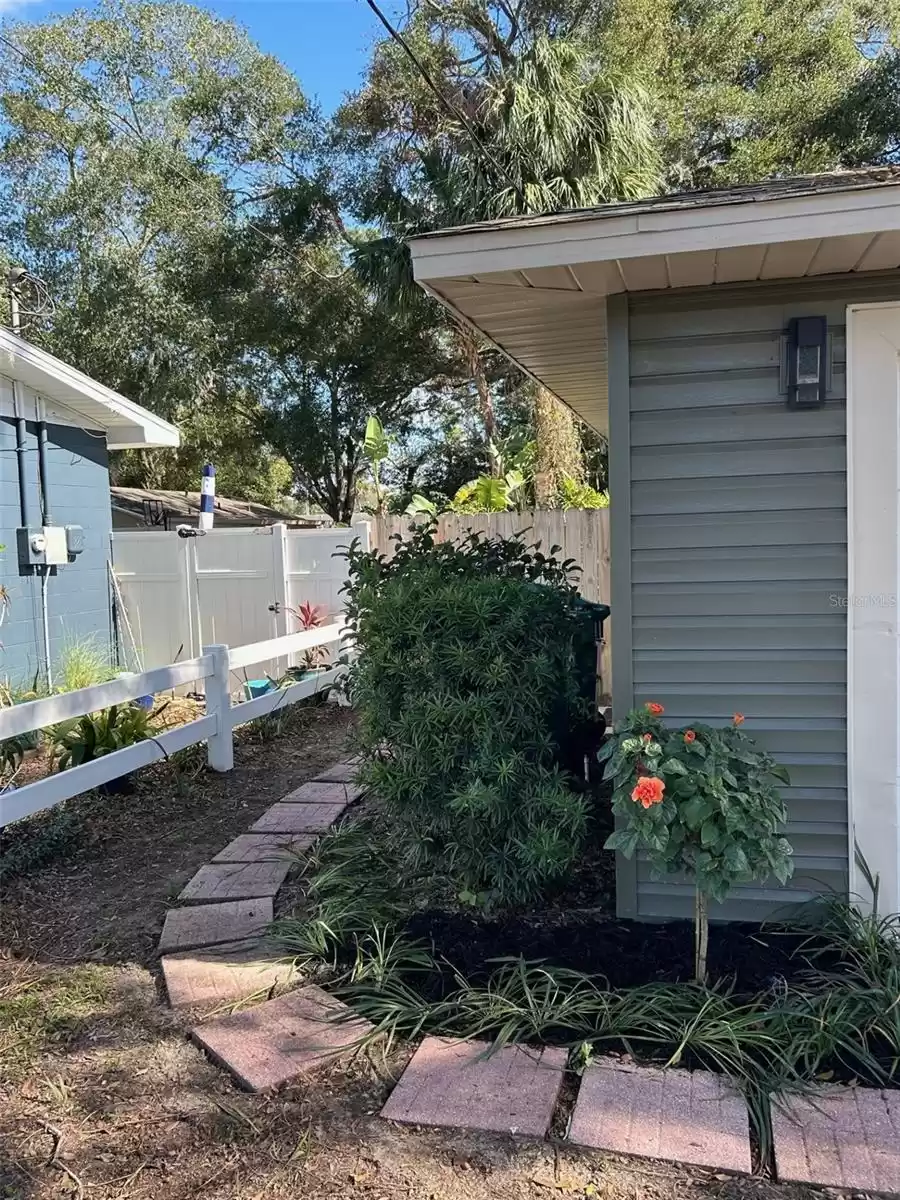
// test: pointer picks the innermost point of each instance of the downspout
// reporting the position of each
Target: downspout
(42, 467)
(21, 451)
(21, 446)
(47, 520)
(15, 276)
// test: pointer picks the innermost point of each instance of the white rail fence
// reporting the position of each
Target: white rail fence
(230, 586)
(213, 668)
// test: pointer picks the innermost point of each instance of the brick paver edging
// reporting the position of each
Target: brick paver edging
(213, 947)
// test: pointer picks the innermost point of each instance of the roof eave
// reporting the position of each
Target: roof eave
(128, 426)
(638, 233)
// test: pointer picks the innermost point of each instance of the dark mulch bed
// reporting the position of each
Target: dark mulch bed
(626, 953)
(578, 929)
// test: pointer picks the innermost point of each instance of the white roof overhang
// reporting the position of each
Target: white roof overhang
(80, 399)
(537, 286)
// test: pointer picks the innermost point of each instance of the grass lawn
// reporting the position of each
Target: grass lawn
(101, 1094)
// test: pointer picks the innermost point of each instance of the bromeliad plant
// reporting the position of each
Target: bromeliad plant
(311, 616)
(701, 802)
(82, 739)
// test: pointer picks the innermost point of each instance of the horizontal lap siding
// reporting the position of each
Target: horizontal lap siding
(77, 593)
(739, 559)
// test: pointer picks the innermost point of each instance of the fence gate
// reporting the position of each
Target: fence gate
(233, 586)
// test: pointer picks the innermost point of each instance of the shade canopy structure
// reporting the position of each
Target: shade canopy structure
(537, 286)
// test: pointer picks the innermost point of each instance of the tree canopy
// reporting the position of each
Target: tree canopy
(133, 137)
(235, 260)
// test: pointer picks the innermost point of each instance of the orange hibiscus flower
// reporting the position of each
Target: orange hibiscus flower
(690, 736)
(655, 710)
(738, 718)
(649, 791)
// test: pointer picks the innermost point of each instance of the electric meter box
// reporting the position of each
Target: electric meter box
(46, 546)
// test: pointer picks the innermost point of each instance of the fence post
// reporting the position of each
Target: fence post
(220, 745)
(280, 582)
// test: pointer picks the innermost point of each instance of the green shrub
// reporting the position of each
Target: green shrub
(82, 739)
(468, 685)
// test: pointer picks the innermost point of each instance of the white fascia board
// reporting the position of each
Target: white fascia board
(130, 425)
(570, 241)
(140, 437)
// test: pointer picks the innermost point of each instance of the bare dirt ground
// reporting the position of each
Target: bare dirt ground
(102, 1097)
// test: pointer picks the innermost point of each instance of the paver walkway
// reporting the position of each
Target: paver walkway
(450, 1082)
(213, 924)
(839, 1137)
(213, 974)
(274, 1042)
(214, 953)
(690, 1117)
(213, 947)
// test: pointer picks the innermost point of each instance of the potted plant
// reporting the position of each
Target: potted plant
(315, 659)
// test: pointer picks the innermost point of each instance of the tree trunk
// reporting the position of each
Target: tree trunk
(701, 935)
(472, 351)
(557, 449)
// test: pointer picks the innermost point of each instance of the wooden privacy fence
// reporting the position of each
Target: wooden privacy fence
(583, 534)
(215, 670)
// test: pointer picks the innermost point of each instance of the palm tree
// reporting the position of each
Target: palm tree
(547, 130)
(560, 133)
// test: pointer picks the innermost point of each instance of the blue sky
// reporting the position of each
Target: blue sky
(324, 42)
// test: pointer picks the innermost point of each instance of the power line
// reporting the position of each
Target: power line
(447, 104)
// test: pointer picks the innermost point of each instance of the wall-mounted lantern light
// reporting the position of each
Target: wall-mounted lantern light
(807, 366)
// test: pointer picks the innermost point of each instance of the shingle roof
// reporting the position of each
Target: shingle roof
(154, 505)
(770, 189)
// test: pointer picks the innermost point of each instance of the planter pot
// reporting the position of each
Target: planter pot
(122, 786)
(316, 698)
(257, 687)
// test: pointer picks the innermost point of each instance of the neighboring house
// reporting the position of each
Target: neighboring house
(149, 508)
(62, 594)
(754, 473)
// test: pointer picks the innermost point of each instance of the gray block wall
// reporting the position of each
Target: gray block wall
(729, 551)
(78, 594)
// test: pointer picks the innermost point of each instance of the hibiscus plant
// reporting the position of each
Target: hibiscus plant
(701, 802)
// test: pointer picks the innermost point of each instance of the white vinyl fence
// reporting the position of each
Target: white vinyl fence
(214, 669)
(230, 586)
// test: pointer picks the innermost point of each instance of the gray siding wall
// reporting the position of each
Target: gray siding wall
(735, 552)
(78, 593)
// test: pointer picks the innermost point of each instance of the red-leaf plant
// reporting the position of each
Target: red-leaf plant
(311, 616)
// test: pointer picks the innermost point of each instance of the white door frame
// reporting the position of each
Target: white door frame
(873, 583)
